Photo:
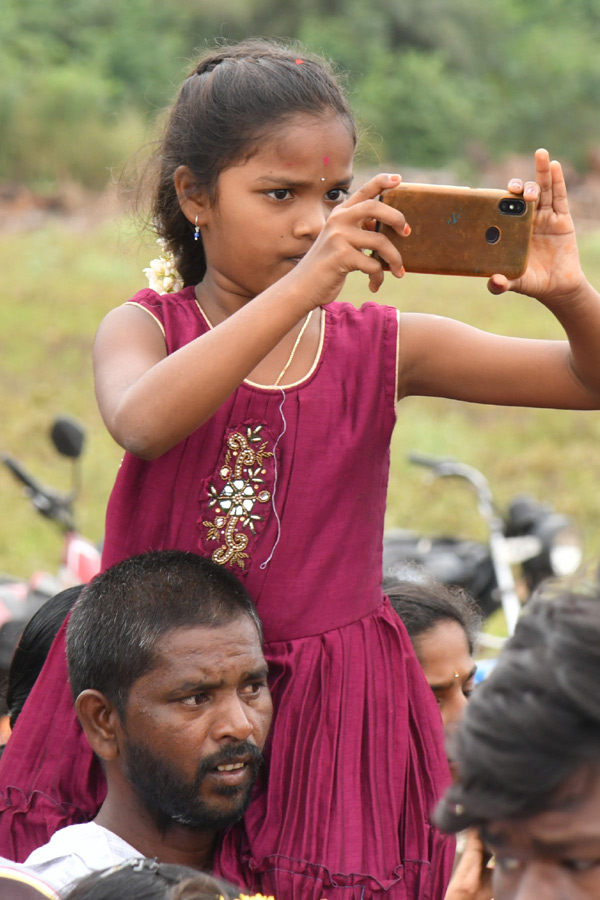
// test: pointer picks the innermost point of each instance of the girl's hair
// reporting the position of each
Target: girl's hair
(148, 879)
(421, 602)
(227, 104)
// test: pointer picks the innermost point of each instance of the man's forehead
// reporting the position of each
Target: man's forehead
(573, 818)
(208, 647)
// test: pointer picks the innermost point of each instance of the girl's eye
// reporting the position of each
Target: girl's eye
(337, 195)
(280, 194)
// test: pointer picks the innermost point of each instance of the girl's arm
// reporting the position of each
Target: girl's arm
(150, 401)
(442, 357)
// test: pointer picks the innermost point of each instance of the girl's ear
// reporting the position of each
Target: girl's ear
(193, 200)
(101, 723)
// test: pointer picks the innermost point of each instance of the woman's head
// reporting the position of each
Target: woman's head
(148, 879)
(442, 623)
(235, 98)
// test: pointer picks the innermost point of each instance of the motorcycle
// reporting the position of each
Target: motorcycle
(526, 544)
(80, 560)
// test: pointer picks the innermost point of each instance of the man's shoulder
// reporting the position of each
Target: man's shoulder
(76, 850)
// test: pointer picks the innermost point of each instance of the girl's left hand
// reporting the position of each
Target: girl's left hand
(553, 273)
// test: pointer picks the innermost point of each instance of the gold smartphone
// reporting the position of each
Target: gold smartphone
(461, 230)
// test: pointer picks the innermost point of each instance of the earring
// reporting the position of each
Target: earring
(197, 231)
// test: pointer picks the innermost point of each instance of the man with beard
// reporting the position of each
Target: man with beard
(528, 752)
(170, 684)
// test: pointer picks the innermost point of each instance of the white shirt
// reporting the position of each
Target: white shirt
(75, 851)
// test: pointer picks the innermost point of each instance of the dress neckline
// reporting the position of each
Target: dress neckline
(291, 384)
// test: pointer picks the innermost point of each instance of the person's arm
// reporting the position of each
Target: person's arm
(150, 400)
(471, 880)
(446, 358)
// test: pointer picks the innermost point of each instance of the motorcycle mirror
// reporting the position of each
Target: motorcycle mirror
(68, 436)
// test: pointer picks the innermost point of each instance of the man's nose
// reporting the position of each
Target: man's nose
(538, 881)
(231, 720)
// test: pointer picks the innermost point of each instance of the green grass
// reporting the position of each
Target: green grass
(59, 281)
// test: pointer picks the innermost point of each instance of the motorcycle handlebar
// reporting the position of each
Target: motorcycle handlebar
(22, 474)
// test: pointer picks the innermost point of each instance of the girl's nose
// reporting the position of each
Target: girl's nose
(310, 221)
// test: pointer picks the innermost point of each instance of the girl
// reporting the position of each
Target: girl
(257, 414)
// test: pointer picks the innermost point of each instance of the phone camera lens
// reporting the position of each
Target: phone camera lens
(512, 206)
(492, 235)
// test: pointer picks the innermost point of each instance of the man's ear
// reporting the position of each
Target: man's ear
(101, 723)
(193, 200)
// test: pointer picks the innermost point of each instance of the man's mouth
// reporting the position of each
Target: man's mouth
(230, 767)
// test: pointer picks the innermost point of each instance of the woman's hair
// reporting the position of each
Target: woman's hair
(148, 879)
(33, 647)
(229, 102)
(421, 602)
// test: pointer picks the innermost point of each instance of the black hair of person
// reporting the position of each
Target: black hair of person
(233, 98)
(535, 720)
(33, 647)
(123, 612)
(422, 603)
(149, 879)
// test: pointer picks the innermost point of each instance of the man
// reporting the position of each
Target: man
(170, 684)
(528, 753)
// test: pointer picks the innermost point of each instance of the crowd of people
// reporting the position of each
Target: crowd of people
(237, 694)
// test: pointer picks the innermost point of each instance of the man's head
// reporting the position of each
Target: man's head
(528, 753)
(169, 679)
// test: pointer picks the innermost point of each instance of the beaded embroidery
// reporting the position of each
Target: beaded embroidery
(234, 498)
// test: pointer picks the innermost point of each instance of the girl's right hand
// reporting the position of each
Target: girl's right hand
(349, 239)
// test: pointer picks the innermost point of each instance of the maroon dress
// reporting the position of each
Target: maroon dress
(287, 487)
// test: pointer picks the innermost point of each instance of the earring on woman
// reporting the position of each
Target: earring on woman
(197, 231)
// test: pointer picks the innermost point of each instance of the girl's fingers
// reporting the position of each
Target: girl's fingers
(373, 188)
(559, 188)
(543, 177)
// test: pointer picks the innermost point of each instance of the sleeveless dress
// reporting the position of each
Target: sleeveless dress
(287, 487)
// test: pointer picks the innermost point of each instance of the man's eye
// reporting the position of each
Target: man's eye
(507, 863)
(195, 700)
(253, 689)
(279, 194)
(580, 865)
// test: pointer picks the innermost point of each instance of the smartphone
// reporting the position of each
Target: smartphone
(461, 230)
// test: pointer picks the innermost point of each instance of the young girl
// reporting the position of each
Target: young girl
(256, 413)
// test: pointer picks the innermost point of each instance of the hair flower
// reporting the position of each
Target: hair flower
(162, 273)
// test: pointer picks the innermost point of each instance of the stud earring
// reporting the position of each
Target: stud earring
(197, 231)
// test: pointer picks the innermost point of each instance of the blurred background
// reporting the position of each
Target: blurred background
(455, 92)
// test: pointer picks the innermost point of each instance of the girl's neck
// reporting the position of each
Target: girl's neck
(217, 304)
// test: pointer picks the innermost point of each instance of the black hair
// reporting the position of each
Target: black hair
(535, 720)
(233, 96)
(148, 879)
(33, 647)
(124, 611)
(422, 602)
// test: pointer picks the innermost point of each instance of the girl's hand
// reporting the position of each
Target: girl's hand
(553, 273)
(348, 240)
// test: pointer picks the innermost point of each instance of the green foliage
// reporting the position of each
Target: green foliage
(81, 81)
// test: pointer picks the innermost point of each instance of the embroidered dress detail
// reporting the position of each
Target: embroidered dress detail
(234, 493)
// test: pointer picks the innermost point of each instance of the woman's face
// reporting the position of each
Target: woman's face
(443, 652)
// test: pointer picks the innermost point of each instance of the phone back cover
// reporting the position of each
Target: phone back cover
(449, 227)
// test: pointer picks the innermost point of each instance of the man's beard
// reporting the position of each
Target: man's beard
(170, 799)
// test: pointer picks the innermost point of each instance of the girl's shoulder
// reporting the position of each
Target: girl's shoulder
(369, 320)
(165, 303)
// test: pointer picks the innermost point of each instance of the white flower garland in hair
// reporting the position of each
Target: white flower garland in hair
(162, 273)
